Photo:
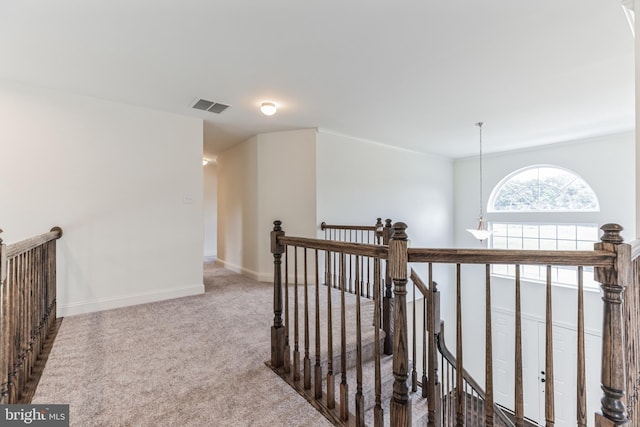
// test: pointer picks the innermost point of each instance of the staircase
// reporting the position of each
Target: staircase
(341, 327)
(369, 360)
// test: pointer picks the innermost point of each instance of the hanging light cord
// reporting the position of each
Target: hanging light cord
(479, 124)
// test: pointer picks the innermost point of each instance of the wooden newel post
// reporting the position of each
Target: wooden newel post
(387, 299)
(277, 330)
(613, 282)
(400, 406)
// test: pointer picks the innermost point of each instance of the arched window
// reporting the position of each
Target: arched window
(543, 189)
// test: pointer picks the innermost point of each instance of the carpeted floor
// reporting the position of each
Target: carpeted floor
(195, 361)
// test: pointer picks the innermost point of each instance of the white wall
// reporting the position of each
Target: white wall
(307, 176)
(238, 207)
(210, 206)
(271, 176)
(359, 181)
(606, 164)
(124, 183)
(287, 189)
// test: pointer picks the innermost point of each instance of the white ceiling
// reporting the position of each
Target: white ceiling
(416, 74)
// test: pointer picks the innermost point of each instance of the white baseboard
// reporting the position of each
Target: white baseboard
(76, 308)
(260, 277)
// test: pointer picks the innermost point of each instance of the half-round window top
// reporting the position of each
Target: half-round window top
(543, 189)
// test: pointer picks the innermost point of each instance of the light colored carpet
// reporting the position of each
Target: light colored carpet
(195, 361)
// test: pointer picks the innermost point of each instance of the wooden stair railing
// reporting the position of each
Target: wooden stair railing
(344, 327)
(440, 384)
(28, 311)
(378, 234)
(306, 261)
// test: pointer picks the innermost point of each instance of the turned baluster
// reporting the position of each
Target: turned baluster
(613, 281)
(307, 359)
(488, 351)
(519, 387)
(549, 385)
(377, 412)
(581, 389)
(344, 386)
(359, 401)
(460, 396)
(387, 302)
(331, 399)
(317, 379)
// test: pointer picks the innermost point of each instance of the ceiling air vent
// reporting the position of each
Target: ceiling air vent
(212, 107)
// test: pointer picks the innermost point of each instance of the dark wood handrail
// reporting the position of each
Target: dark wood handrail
(362, 249)
(15, 249)
(508, 256)
(415, 278)
(325, 226)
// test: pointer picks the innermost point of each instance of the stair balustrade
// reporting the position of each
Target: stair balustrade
(362, 384)
(28, 312)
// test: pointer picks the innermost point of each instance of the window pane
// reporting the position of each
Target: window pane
(547, 231)
(543, 188)
(567, 232)
(499, 242)
(547, 245)
(584, 246)
(587, 232)
(547, 237)
(515, 243)
(515, 230)
(499, 229)
(531, 244)
(566, 245)
(530, 231)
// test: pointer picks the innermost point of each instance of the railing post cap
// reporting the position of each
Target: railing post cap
(387, 222)
(323, 225)
(276, 225)
(0, 237)
(399, 231)
(612, 233)
(57, 230)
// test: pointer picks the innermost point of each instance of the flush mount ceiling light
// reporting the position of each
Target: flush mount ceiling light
(268, 108)
(480, 232)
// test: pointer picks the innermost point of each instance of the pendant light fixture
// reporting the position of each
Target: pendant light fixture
(480, 233)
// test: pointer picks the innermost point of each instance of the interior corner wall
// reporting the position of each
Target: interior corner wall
(287, 189)
(238, 207)
(210, 207)
(125, 185)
